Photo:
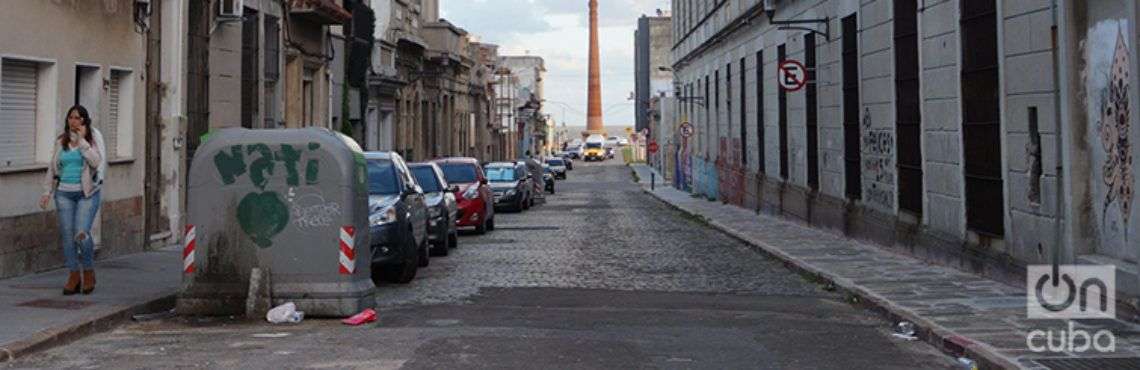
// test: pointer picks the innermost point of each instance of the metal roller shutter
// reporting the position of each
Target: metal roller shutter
(110, 127)
(18, 82)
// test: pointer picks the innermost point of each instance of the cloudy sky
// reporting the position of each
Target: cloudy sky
(557, 31)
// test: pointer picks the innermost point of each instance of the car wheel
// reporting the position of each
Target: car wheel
(442, 249)
(402, 273)
(424, 254)
(482, 227)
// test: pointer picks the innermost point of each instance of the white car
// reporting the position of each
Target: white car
(612, 141)
(623, 141)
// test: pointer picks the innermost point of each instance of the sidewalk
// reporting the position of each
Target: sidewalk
(36, 315)
(957, 312)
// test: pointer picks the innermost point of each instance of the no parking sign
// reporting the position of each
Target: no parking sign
(792, 75)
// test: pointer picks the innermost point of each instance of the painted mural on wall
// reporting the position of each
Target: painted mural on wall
(878, 148)
(263, 214)
(730, 184)
(1107, 78)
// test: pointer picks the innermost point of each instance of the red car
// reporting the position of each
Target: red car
(475, 199)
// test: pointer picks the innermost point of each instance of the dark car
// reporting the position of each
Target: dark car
(442, 209)
(475, 198)
(511, 183)
(558, 166)
(548, 178)
(397, 219)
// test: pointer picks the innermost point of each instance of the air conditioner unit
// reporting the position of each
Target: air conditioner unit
(231, 9)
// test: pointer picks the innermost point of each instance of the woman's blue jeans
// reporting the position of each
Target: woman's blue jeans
(76, 215)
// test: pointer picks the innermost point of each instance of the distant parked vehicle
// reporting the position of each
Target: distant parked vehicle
(443, 235)
(574, 152)
(548, 178)
(557, 167)
(622, 141)
(475, 198)
(512, 185)
(397, 218)
(612, 141)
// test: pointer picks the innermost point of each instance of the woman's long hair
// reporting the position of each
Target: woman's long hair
(65, 137)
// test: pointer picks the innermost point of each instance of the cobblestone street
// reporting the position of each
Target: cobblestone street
(602, 276)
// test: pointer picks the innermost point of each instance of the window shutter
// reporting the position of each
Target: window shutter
(18, 82)
(110, 127)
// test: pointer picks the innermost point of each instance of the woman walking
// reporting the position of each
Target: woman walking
(74, 177)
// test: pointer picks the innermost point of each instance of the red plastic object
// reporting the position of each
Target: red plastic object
(364, 317)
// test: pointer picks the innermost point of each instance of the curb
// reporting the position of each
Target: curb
(66, 333)
(940, 337)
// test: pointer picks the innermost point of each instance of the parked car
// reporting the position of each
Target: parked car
(569, 163)
(511, 184)
(574, 152)
(397, 219)
(548, 178)
(475, 199)
(443, 235)
(623, 141)
(557, 167)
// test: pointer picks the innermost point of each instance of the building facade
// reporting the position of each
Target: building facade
(957, 131)
(653, 72)
(527, 100)
(93, 56)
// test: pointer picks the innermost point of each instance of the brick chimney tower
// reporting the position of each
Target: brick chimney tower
(594, 124)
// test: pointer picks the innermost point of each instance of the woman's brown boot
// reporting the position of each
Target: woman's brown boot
(88, 281)
(72, 285)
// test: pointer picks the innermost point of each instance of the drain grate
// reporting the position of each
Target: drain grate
(527, 228)
(59, 304)
(1092, 363)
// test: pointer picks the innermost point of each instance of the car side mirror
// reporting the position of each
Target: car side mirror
(453, 189)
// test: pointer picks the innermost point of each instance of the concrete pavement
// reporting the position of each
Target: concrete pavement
(34, 314)
(961, 313)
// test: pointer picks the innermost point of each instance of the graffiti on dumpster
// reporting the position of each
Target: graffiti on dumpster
(311, 210)
(262, 215)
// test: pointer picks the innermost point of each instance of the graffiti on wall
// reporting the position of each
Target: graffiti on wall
(264, 214)
(1114, 133)
(878, 165)
(1107, 74)
(730, 184)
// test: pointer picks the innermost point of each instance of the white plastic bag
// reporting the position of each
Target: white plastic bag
(285, 313)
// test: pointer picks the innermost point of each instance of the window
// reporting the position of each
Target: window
(27, 112)
(743, 115)
(760, 109)
(308, 107)
(782, 106)
(981, 126)
(249, 69)
(117, 130)
(811, 114)
(272, 65)
(727, 102)
(708, 117)
(712, 139)
(852, 154)
(908, 112)
(18, 95)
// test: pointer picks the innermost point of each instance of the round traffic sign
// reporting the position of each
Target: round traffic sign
(792, 75)
(686, 129)
(652, 148)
